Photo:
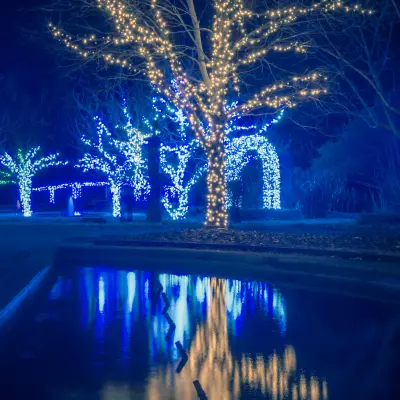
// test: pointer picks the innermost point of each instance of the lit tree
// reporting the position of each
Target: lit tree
(238, 41)
(132, 148)
(119, 159)
(181, 186)
(21, 170)
(177, 155)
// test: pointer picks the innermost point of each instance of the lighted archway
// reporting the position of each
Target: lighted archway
(239, 153)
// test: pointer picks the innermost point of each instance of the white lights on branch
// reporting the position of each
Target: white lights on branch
(23, 167)
(174, 158)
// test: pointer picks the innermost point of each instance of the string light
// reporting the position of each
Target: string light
(23, 167)
(6, 177)
(121, 161)
(178, 190)
(75, 186)
(239, 38)
(132, 149)
(237, 150)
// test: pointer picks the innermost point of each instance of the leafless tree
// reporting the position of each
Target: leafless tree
(361, 57)
(233, 57)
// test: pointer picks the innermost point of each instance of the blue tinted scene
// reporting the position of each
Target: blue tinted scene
(106, 334)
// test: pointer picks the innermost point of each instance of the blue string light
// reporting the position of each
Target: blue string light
(23, 168)
(119, 160)
(75, 186)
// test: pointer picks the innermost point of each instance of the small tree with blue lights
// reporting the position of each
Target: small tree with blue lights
(177, 155)
(22, 168)
(120, 159)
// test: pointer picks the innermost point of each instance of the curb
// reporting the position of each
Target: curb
(10, 312)
(310, 251)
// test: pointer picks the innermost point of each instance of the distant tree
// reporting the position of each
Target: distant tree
(375, 166)
(22, 167)
(365, 61)
(117, 156)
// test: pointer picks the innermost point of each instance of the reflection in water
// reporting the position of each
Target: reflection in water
(209, 313)
(131, 289)
(102, 296)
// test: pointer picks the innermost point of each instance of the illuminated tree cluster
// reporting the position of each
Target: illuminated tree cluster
(241, 39)
(241, 144)
(21, 170)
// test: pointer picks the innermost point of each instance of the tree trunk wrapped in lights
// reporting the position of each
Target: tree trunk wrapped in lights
(21, 170)
(208, 76)
(217, 214)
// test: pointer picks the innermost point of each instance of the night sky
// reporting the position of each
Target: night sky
(29, 68)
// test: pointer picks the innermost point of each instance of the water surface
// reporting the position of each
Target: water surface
(102, 334)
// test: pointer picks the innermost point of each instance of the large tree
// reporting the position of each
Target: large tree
(231, 59)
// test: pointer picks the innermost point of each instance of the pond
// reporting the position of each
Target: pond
(105, 334)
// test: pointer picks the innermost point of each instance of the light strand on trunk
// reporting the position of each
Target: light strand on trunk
(23, 168)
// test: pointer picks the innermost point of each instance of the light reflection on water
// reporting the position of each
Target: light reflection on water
(209, 314)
